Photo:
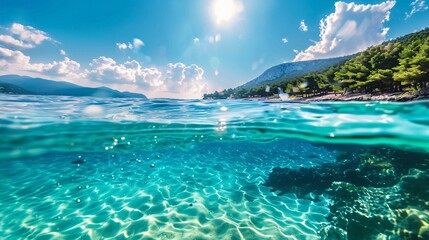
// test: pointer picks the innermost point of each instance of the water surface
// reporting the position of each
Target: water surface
(92, 168)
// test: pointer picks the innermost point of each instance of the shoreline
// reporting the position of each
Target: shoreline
(391, 97)
(339, 97)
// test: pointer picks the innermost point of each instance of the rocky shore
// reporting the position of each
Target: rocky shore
(394, 97)
(341, 97)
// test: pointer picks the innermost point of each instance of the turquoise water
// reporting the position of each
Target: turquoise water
(98, 168)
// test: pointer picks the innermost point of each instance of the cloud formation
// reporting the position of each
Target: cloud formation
(417, 6)
(174, 80)
(29, 34)
(285, 40)
(106, 70)
(302, 26)
(136, 44)
(13, 61)
(12, 42)
(187, 80)
(65, 68)
(23, 37)
(350, 29)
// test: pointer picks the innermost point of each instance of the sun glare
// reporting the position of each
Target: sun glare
(225, 10)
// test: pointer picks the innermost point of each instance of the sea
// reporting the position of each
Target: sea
(109, 168)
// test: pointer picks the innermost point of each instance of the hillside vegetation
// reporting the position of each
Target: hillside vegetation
(400, 65)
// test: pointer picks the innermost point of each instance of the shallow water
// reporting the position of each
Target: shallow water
(92, 168)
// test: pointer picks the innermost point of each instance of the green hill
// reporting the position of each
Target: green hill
(7, 88)
(400, 65)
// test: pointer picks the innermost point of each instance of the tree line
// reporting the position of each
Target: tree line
(397, 65)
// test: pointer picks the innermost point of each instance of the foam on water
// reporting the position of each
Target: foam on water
(80, 168)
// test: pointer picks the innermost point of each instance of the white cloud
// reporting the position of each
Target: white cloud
(302, 26)
(196, 40)
(186, 80)
(29, 34)
(350, 29)
(136, 44)
(11, 41)
(123, 46)
(23, 37)
(66, 68)
(284, 40)
(417, 6)
(15, 62)
(10, 59)
(175, 80)
(295, 51)
(106, 70)
(178, 79)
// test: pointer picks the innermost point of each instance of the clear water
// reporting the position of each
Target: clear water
(92, 168)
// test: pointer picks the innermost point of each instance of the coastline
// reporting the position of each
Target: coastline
(339, 97)
(391, 97)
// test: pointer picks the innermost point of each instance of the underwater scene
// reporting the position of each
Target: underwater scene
(103, 168)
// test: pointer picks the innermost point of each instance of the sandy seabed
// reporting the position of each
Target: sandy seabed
(210, 191)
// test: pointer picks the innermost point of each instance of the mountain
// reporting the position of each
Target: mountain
(293, 69)
(12, 89)
(39, 86)
(399, 66)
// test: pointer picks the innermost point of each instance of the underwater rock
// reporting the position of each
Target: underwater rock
(302, 181)
(376, 193)
(359, 211)
(413, 224)
(369, 167)
(386, 213)
(332, 233)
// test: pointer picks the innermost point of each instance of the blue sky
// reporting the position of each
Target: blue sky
(183, 48)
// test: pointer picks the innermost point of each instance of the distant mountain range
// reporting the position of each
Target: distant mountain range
(292, 69)
(14, 84)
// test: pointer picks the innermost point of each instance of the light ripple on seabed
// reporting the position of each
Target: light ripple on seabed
(213, 155)
(206, 193)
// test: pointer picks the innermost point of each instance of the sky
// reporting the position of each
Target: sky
(184, 48)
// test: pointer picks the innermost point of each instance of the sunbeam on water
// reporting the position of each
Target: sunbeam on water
(99, 168)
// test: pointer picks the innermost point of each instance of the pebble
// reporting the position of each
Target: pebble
(152, 165)
(78, 200)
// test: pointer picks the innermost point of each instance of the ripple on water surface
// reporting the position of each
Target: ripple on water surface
(169, 169)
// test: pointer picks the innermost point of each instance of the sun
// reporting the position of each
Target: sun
(225, 10)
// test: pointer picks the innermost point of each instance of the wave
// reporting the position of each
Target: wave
(33, 125)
